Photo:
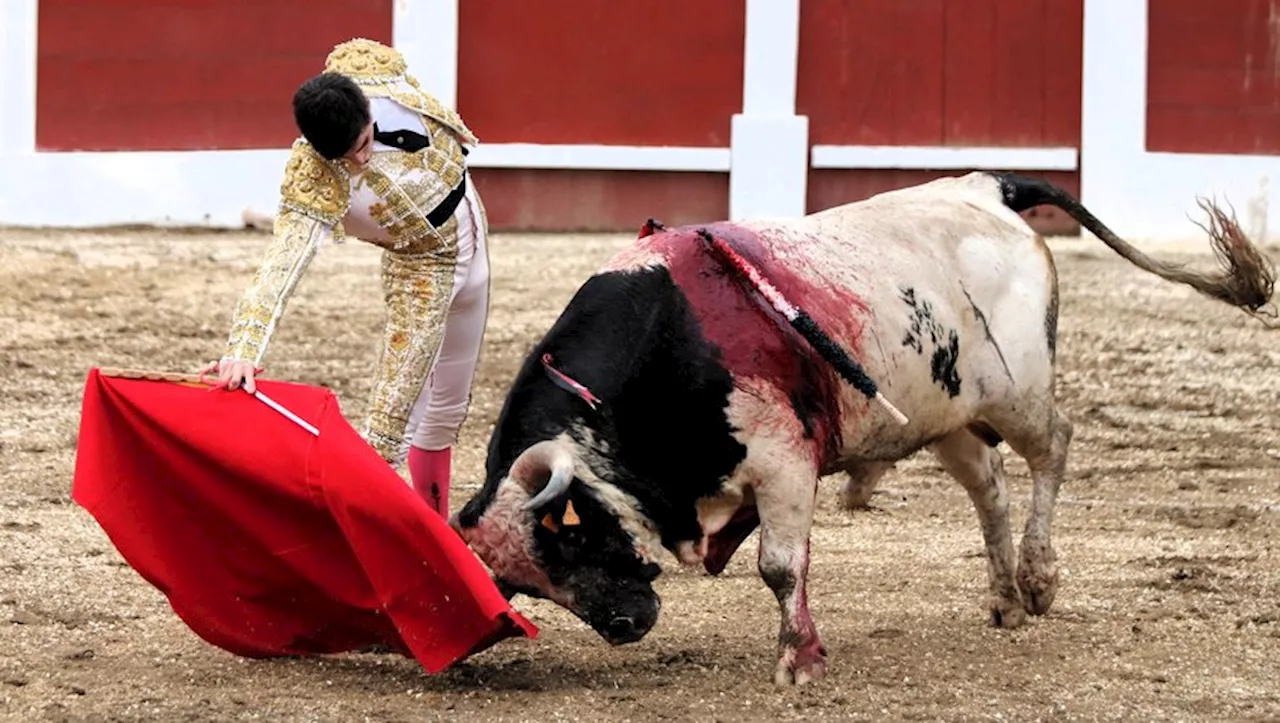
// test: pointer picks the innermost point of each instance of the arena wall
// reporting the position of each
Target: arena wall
(598, 115)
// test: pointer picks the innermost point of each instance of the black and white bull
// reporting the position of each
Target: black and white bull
(668, 407)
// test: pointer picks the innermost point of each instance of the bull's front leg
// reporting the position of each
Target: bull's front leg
(786, 504)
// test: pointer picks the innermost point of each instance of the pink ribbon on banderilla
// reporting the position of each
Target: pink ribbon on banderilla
(564, 381)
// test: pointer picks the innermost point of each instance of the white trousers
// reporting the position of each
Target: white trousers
(441, 406)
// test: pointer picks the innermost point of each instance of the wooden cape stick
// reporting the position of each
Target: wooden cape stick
(181, 378)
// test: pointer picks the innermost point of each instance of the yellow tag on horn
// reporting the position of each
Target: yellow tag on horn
(570, 517)
(550, 523)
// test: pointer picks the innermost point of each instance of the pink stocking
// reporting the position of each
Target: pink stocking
(429, 470)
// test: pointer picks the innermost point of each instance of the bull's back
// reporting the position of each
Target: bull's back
(959, 289)
(756, 344)
(893, 279)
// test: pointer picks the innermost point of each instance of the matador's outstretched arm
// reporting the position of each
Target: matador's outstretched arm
(313, 199)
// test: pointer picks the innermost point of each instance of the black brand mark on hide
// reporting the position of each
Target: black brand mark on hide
(921, 321)
(944, 364)
(946, 344)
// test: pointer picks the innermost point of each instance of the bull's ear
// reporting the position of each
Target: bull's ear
(570, 517)
(549, 522)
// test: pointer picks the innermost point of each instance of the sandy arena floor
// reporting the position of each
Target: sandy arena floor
(1166, 532)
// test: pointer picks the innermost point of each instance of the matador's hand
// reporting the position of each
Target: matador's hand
(233, 373)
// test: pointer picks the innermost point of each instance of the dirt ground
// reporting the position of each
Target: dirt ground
(1167, 531)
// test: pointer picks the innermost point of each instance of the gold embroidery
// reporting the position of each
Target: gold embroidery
(381, 72)
(425, 104)
(364, 59)
(314, 186)
(409, 186)
(296, 237)
(417, 291)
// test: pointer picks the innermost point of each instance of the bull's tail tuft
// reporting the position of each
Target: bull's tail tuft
(1247, 276)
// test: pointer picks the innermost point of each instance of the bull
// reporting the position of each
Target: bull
(670, 408)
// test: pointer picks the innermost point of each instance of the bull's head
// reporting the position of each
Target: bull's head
(546, 533)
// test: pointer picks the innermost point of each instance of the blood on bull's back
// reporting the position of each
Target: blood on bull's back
(757, 345)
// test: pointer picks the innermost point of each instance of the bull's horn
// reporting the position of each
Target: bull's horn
(544, 457)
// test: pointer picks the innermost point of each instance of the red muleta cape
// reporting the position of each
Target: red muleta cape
(270, 541)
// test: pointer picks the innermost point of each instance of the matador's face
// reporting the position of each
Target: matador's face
(362, 149)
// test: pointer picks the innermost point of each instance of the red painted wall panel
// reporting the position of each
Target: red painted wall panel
(657, 72)
(939, 73)
(1062, 84)
(126, 75)
(563, 200)
(1213, 77)
(932, 72)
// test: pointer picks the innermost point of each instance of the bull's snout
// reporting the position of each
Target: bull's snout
(630, 623)
(622, 630)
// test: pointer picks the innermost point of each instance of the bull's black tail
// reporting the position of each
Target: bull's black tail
(1247, 277)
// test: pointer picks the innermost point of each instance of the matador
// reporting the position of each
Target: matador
(383, 161)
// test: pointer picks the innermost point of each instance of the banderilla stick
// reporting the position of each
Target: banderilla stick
(800, 320)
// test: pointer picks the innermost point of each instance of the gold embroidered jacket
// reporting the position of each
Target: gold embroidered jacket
(387, 202)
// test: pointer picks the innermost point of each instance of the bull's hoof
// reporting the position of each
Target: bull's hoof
(1038, 589)
(1006, 614)
(801, 666)
(1038, 579)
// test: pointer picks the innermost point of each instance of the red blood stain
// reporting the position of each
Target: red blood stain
(754, 340)
(650, 227)
(803, 634)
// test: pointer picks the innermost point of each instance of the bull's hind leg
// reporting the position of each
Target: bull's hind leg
(1045, 450)
(980, 470)
(786, 503)
(860, 483)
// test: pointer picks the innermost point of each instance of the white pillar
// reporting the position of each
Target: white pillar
(426, 33)
(1139, 194)
(17, 93)
(769, 142)
(1113, 106)
(17, 76)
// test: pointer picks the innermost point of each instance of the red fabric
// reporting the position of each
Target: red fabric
(270, 541)
(430, 470)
